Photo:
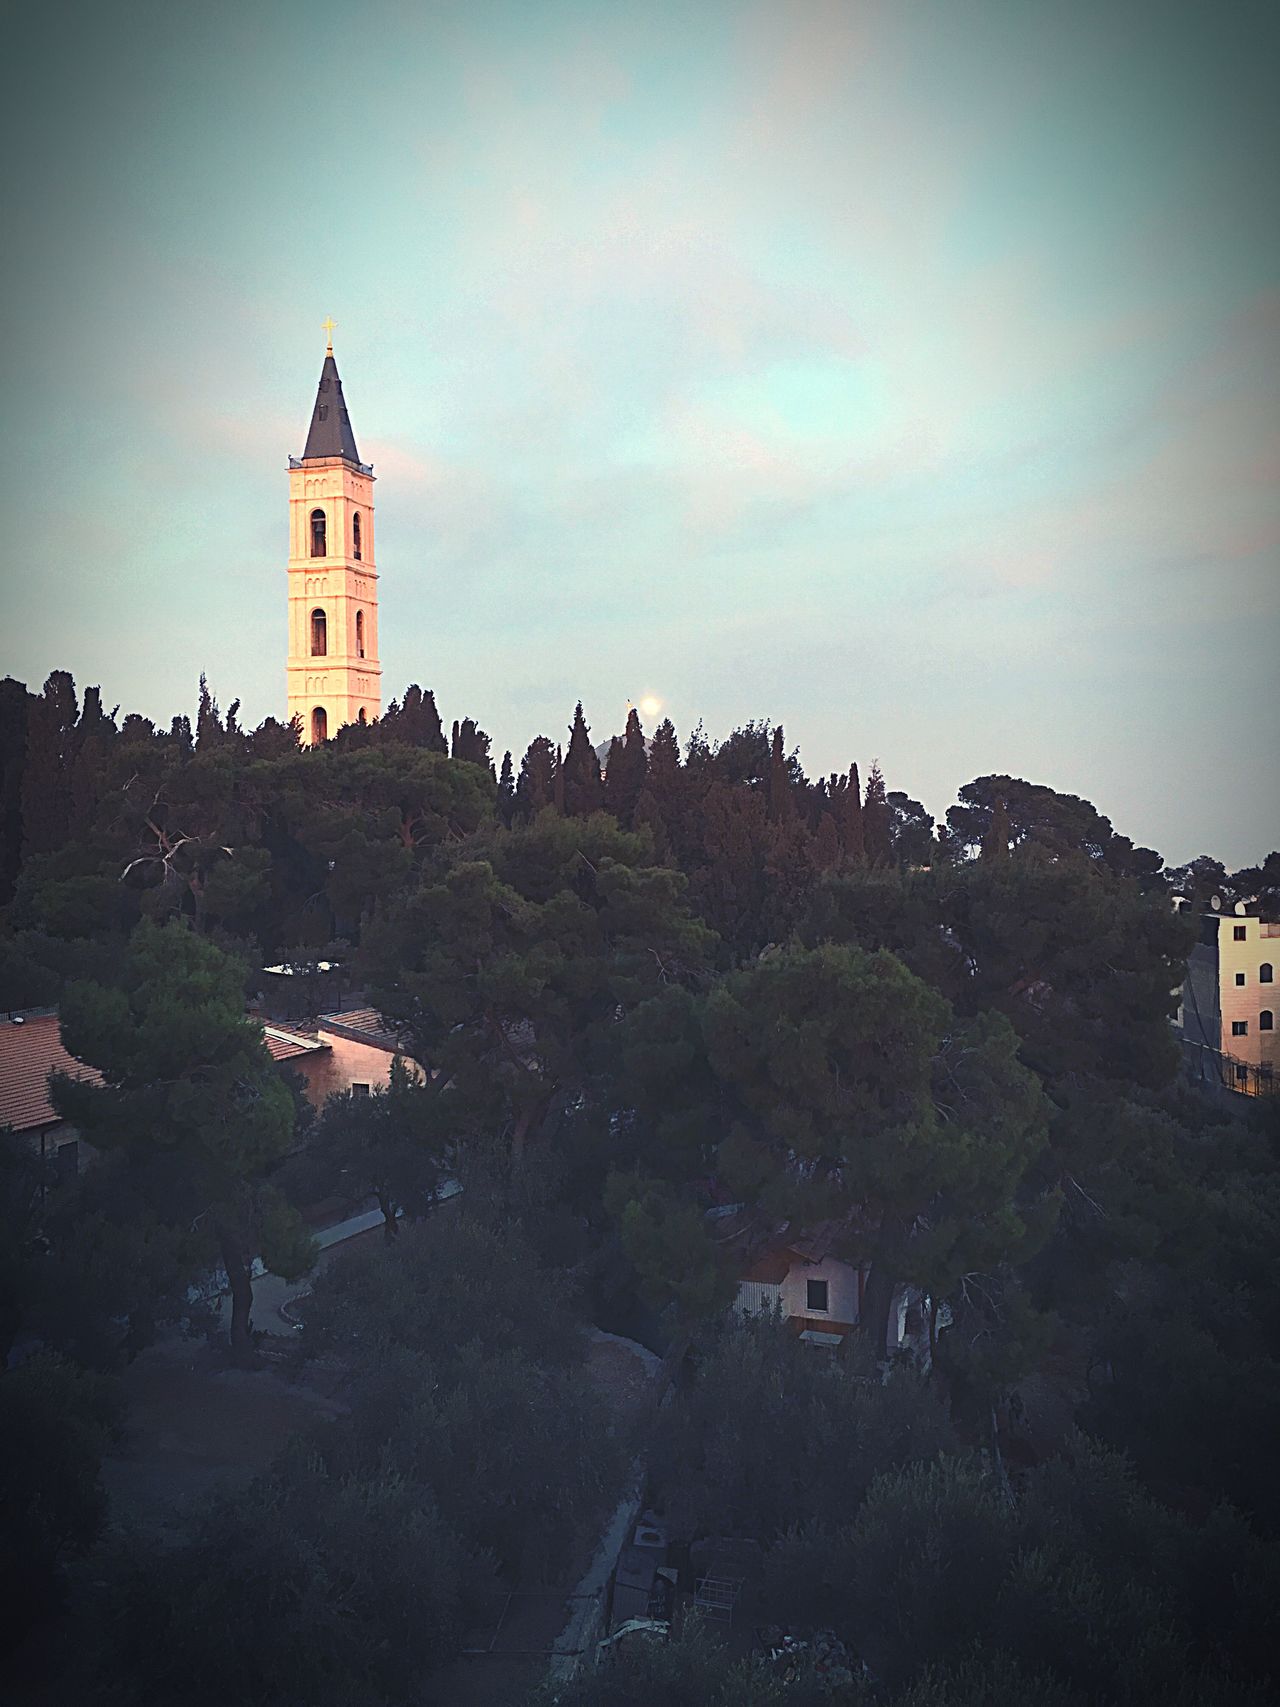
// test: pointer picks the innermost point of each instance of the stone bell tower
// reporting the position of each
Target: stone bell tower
(334, 676)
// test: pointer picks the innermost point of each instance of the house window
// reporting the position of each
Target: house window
(359, 634)
(319, 634)
(359, 1090)
(319, 548)
(355, 535)
(817, 1294)
(1239, 933)
(1239, 1028)
(1266, 1020)
(319, 727)
(1265, 974)
(1239, 978)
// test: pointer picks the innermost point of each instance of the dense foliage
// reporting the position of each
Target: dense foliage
(664, 1010)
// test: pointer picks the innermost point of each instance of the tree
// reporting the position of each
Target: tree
(414, 720)
(877, 838)
(995, 844)
(1061, 823)
(301, 1587)
(583, 789)
(191, 1099)
(506, 971)
(768, 1436)
(56, 1421)
(625, 777)
(841, 1086)
(910, 830)
(506, 798)
(852, 825)
(389, 1143)
(537, 785)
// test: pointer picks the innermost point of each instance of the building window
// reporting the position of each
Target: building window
(1239, 977)
(355, 535)
(1240, 933)
(319, 548)
(1265, 974)
(362, 716)
(359, 634)
(1266, 1020)
(319, 727)
(817, 1294)
(319, 634)
(359, 1090)
(1239, 1028)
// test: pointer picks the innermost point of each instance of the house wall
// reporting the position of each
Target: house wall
(791, 1296)
(343, 1064)
(1245, 1002)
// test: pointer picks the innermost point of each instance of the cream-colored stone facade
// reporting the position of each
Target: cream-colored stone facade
(334, 676)
(1248, 961)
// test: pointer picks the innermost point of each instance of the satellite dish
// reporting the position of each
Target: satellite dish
(1216, 903)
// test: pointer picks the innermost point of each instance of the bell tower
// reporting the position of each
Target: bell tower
(334, 676)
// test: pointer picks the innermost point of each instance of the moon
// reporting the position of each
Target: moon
(650, 705)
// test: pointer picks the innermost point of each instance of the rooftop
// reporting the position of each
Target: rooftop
(30, 1048)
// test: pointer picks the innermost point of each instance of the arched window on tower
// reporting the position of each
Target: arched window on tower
(359, 634)
(363, 716)
(319, 726)
(1266, 1020)
(1265, 973)
(319, 634)
(355, 535)
(319, 546)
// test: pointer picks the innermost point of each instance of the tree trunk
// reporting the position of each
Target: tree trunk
(241, 1287)
(877, 1300)
(390, 1226)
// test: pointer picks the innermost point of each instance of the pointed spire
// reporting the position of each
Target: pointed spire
(331, 433)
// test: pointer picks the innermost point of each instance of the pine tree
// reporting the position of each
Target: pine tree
(875, 820)
(583, 789)
(628, 766)
(995, 844)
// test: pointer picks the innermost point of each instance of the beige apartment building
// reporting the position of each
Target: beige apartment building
(1227, 1006)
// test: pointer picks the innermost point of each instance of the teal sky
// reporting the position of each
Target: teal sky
(904, 373)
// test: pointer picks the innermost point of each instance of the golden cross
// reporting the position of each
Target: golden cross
(328, 324)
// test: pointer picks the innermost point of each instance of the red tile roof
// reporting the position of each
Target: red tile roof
(284, 1045)
(28, 1052)
(362, 1025)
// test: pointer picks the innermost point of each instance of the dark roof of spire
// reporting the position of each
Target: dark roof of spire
(330, 433)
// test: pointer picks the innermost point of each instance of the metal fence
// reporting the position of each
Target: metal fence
(1224, 1072)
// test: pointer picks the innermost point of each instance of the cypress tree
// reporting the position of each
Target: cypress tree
(851, 825)
(583, 789)
(875, 820)
(826, 844)
(628, 765)
(662, 772)
(557, 782)
(536, 787)
(415, 721)
(780, 802)
(14, 701)
(506, 801)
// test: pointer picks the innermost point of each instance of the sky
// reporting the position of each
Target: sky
(904, 373)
